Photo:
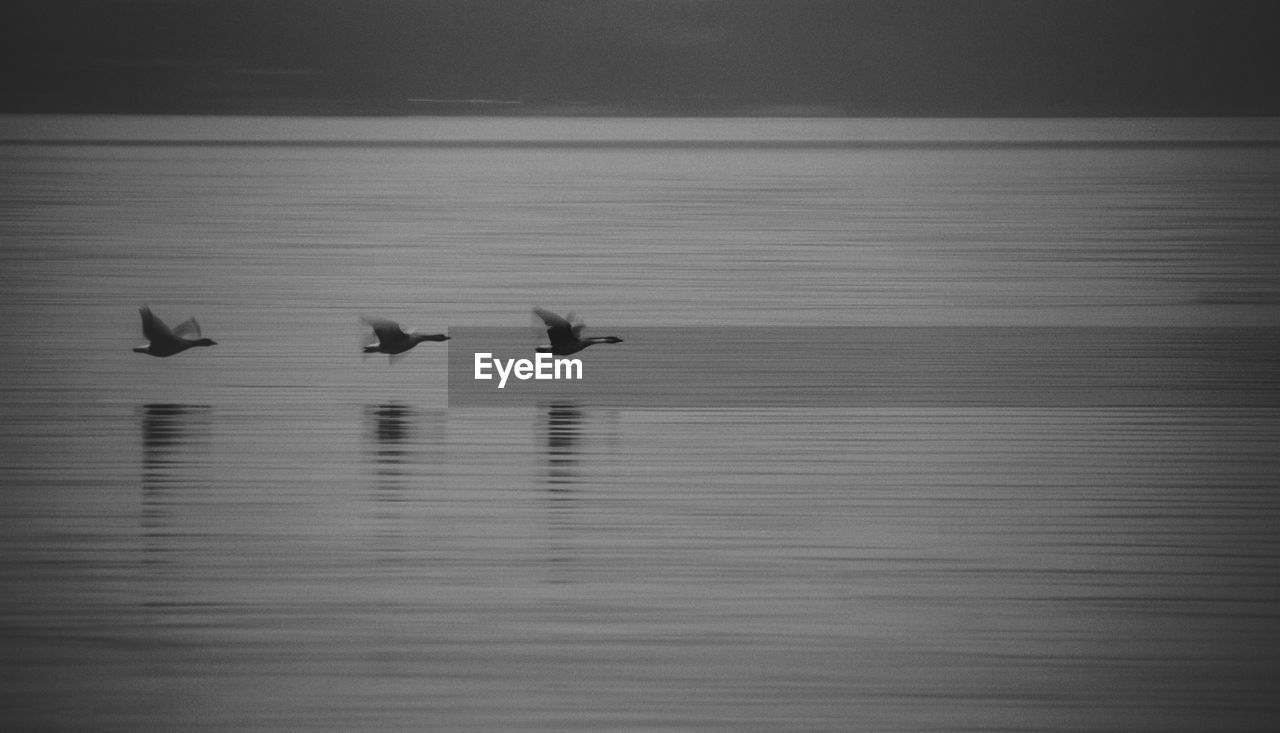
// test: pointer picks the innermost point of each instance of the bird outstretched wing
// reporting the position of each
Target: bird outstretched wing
(386, 330)
(154, 329)
(561, 332)
(553, 320)
(187, 329)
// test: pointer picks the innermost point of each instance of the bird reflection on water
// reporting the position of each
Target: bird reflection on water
(564, 430)
(404, 437)
(168, 431)
(392, 428)
(172, 436)
(406, 447)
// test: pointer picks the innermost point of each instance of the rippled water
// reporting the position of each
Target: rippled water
(281, 533)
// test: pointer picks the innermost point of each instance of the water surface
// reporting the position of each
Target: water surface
(282, 533)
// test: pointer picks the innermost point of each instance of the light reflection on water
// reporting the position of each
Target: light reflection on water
(277, 533)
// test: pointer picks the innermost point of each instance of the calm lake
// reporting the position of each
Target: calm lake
(916, 425)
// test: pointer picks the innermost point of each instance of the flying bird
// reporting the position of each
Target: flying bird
(566, 338)
(166, 341)
(394, 340)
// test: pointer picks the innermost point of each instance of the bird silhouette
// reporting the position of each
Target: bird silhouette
(566, 337)
(392, 339)
(166, 341)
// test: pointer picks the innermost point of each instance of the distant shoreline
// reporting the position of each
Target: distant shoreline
(550, 131)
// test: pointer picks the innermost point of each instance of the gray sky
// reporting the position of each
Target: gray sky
(874, 57)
